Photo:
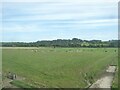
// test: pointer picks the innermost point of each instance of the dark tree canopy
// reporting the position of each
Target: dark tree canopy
(75, 42)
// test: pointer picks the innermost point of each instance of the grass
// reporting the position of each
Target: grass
(58, 67)
(21, 84)
(115, 81)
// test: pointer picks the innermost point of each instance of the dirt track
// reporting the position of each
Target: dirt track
(106, 80)
(6, 82)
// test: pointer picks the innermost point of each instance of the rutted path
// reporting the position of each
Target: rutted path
(6, 83)
(106, 80)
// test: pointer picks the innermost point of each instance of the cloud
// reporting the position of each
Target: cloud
(101, 22)
(73, 1)
(57, 11)
(49, 19)
(23, 28)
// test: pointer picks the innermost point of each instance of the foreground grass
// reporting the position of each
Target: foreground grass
(115, 82)
(58, 67)
(21, 84)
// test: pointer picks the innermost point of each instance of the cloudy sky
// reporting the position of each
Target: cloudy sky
(33, 20)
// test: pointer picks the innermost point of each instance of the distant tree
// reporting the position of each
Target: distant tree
(75, 42)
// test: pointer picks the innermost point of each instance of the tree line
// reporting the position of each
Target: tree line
(75, 42)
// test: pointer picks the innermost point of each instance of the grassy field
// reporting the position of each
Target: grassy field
(58, 67)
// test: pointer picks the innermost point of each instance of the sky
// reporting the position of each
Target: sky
(33, 20)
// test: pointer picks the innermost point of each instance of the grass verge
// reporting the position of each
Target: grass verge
(21, 84)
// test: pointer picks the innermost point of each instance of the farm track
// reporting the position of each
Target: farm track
(7, 82)
(106, 80)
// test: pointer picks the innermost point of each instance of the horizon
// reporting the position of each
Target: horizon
(25, 21)
(56, 39)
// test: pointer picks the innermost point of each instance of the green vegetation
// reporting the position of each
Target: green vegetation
(75, 42)
(20, 84)
(115, 82)
(58, 67)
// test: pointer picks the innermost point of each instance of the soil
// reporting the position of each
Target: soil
(6, 82)
(106, 80)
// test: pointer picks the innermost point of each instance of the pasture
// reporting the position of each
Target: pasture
(58, 67)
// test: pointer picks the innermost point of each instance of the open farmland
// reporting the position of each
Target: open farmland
(58, 67)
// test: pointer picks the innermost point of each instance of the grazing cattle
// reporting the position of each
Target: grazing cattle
(105, 51)
(35, 51)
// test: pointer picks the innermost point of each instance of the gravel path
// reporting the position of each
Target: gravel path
(106, 80)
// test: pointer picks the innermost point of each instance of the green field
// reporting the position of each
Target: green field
(58, 67)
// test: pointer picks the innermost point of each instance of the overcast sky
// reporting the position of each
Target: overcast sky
(59, 19)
